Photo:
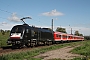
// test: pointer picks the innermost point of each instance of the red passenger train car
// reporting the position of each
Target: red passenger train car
(59, 36)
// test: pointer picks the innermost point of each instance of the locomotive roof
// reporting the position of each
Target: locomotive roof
(34, 28)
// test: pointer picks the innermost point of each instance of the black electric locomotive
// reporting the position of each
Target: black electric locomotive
(25, 35)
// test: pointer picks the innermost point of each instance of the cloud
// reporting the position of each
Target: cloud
(52, 13)
(7, 26)
(4, 23)
(82, 30)
(14, 18)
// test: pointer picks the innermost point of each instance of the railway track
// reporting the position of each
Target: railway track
(8, 49)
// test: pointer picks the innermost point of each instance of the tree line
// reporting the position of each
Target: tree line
(3, 32)
(60, 29)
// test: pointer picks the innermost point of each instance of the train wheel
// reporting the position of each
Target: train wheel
(68, 41)
(51, 42)
(13, 46)
(28, 44)
(44, 43)
(36, 43)
(16, 46)
(32, 45)
(20, 46)
(48, 43)
(61, 41)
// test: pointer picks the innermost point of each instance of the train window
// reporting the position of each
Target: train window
(17, 29)
(64, 36)
(69, 37)
(27, 31)
(56, 35)
(60, 36)
(32, 32)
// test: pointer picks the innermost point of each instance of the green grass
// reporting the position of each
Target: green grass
(28, 55)
(3, 39)
(84, 50)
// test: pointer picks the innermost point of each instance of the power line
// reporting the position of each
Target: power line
(3, 18)
(19, 15)
(9, 12)
(5, 11)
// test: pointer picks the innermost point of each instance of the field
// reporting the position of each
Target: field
(82, 49)
(3, 39)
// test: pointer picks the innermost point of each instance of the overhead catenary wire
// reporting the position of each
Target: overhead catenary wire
(21, 16)
(5, 11)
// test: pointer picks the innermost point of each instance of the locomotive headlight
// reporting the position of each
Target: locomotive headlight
(21, 37)
(8, 41)
(11, 34)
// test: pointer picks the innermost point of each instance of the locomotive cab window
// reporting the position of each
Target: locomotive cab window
(32, 32)
(27, 30)
(17, 29)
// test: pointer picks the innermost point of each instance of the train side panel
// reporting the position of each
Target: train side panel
(58, 36)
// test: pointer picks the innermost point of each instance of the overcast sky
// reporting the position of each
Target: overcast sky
(69, 14)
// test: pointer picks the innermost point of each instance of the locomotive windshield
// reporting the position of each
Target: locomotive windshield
(17, 29)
